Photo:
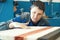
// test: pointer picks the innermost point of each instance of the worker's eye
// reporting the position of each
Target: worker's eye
(39, 14)
(34, 12)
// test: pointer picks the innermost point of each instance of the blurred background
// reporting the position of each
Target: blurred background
(10, 9)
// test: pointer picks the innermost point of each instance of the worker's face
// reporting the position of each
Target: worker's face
(15, 8)
(36, 14)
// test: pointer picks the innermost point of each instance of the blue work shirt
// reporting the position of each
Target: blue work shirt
(41, 22)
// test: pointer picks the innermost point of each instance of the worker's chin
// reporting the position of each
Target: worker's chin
(34, 20)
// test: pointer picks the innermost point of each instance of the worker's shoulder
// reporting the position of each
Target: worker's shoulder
(45, 22)
(20, 19)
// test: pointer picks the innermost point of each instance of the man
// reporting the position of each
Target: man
(36, 17)
(15, 7)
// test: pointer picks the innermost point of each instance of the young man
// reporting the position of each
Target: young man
(36, 17)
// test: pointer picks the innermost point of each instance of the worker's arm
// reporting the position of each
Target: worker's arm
(17, 25)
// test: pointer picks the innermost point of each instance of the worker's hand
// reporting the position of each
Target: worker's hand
(16, 24)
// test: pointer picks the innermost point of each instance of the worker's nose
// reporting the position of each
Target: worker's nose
(35, 16)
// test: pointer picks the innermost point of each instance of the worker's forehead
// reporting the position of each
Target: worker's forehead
(36, 9)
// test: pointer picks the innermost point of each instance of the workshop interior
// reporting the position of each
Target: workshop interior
(10, 9)
(52, 11)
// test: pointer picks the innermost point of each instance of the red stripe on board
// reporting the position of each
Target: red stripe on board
(21, 37)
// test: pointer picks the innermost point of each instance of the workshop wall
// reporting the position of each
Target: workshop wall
(6, 10)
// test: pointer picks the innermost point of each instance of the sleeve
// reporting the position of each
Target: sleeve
(20, 20)
(17, 19)
(47, 23)
(44, 22)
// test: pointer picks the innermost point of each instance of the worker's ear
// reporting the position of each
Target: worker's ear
(44, 14)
